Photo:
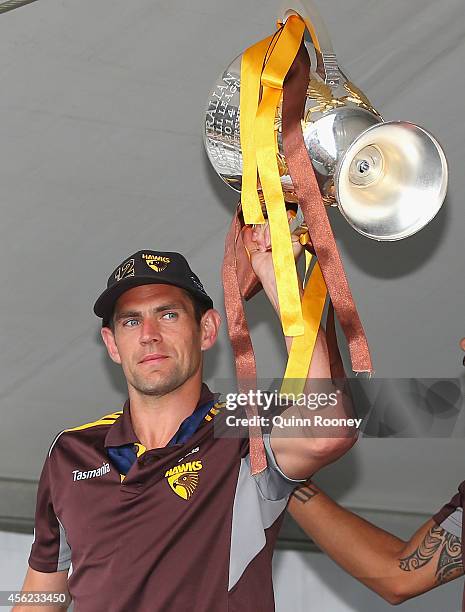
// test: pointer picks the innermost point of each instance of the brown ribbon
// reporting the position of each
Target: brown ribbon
(338, 374)
(238, 329)
(316, 218)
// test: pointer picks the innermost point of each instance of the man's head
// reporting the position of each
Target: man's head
(157, 320)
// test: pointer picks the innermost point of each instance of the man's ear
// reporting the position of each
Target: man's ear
(109, 338)
(209, 326)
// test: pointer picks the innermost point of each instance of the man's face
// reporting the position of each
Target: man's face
(156, 338)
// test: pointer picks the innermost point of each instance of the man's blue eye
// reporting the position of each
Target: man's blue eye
(170, 315)
(130, 322)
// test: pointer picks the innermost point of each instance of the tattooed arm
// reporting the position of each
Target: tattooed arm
(394, 569)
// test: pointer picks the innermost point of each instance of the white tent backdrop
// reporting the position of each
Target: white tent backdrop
(101, 155)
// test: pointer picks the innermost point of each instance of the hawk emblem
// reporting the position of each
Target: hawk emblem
(185, 484)
(184, 478)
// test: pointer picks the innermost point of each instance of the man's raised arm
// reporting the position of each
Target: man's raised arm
(396, 570)
(309, 448)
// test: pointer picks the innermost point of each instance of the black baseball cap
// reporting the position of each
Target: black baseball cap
(146, 268)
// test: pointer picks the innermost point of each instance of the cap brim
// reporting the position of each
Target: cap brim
(105, 303)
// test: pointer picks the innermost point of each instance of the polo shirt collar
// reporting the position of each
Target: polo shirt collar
(122, 431)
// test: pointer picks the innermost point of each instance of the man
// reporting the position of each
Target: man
(395, 569)
(152, 510)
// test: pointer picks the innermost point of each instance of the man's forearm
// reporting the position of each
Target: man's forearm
(340, 533)
(51, 582)
(319, 365)
(268, 282)
(306, 449)
(394, 569)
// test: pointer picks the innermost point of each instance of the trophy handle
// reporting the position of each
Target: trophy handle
(319, 34)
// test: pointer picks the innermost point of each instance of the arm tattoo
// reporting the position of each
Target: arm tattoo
(450, 561)
(450, 555)
(425, 551)
(305, 493)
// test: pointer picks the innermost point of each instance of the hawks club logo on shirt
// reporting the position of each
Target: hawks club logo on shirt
(184, 478)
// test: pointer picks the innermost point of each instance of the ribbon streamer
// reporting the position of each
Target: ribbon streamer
(302, 347)
(241, 343)
(252, 63)
(239, 280)
(263, 141)
(311, 203)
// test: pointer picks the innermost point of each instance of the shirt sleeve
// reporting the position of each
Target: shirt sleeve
(453, 523)
(272, 482)
(50, 551)
(450, 515)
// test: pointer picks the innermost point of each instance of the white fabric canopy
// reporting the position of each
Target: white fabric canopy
(101, 154)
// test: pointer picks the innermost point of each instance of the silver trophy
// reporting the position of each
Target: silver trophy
(388, 179)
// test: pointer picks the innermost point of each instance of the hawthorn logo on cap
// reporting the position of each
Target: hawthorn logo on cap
(184, 478)
(158, 263)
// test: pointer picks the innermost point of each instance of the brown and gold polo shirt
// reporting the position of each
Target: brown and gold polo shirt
(188, 528)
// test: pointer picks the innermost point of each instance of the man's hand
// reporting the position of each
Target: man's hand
(257, 241)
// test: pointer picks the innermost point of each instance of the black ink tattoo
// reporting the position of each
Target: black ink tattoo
(450, 561)
(450, 556)
(425, 552)
(305, 493)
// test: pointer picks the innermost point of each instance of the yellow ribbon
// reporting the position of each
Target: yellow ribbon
(278, 63)
(252, 63)
(265, 65)
(301, 352)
